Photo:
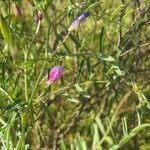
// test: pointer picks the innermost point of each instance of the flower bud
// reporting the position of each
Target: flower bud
(78, 20)
(39, 15)
(55, 73)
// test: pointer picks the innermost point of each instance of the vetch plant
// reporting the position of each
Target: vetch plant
(103, 102)
(55, 73)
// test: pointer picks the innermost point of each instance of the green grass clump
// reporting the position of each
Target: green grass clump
(102, 101)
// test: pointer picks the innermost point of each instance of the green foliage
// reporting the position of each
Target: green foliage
(102, 101)
(5, 30)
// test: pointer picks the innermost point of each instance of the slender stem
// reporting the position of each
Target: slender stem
(38, 80)
(60, 45)
(38, 26)
(120, 26)
(142, 45)
(9, 97)
(40, 98)
(25, 77)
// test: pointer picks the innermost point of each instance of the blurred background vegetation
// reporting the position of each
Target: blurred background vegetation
(102, 101)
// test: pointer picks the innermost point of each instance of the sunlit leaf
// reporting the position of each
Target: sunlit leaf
(5, 30)
(117, 11)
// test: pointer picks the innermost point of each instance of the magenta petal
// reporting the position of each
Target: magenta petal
(55, 73)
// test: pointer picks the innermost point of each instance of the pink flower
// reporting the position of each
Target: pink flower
(55, 73)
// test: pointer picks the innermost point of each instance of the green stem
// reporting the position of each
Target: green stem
(25, 77)
(60, 45)
(38, 80)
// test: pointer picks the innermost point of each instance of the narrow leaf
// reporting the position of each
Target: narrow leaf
(5, 30)
(78, 88)
(80, 143)
(128, 14)
(80, 69)
(95, 132)
(117, 11)
(62, 145)
(108, 58)
(101, 39)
